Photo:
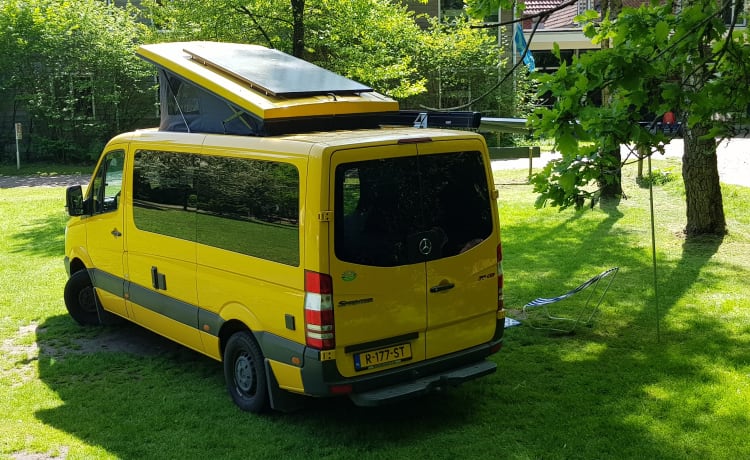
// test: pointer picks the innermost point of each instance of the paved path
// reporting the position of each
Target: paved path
(62, 180)
(733, 156)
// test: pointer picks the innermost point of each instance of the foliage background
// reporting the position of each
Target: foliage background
(71, 76)
(68, 73)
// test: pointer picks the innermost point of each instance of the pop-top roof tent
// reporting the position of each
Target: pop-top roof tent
(229, 88)
(252, 90)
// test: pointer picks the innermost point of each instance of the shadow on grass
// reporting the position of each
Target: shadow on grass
(43, 236)
(161, 394)
(161, 400)
(615, 374)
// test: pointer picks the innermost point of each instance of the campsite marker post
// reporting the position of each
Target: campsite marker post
(19, 135)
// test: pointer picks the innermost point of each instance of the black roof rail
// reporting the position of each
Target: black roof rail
(425, 119)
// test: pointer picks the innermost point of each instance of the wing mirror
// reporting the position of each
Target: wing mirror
(74, 201)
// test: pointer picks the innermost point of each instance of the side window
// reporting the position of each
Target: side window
(107, 185)
(241, 205)
(164, 195)
(250, 207)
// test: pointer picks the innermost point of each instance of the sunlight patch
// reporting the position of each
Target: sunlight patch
(588, 352)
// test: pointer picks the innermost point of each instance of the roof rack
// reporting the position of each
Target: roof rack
(421, 119)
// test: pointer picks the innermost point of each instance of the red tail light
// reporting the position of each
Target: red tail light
(319, 331)
(500, 299)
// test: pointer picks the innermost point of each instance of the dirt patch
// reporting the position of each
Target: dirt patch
(127, 338)
(61, 453)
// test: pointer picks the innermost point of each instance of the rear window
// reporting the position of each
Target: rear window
(404, 210)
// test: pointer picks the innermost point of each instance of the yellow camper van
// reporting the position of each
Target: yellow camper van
(277, 221)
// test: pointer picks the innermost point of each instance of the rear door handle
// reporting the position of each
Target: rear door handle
(116, 233)
(442, 287)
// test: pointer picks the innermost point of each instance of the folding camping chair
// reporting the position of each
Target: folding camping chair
(564, 314)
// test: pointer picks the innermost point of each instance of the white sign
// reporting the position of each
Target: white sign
(19, 132)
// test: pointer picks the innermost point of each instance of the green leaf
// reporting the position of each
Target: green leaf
(568, 182)
(661, 32)
(567, 144)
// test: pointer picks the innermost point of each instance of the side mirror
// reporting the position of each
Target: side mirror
(74, 201)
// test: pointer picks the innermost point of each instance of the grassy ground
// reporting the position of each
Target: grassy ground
(616, 390)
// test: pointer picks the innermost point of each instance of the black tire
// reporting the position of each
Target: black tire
(80, 299)
(245, 373)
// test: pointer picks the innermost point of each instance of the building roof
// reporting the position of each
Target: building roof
(538, 6)
(564, 18)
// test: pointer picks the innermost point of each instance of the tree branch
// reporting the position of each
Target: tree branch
(497, 85)
(254, 17)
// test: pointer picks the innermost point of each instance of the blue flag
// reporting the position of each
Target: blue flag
(520, 40)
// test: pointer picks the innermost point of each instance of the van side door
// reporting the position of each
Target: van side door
(104, 231)
(161, 243)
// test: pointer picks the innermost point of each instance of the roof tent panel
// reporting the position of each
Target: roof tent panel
(186, 107)
(356, 100)
(272, 71)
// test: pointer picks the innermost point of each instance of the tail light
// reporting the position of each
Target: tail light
(500, 299)
(319, 330)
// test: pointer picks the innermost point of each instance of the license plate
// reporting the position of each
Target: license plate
(382, 356)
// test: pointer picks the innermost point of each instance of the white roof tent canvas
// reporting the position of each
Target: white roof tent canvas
(228, 88)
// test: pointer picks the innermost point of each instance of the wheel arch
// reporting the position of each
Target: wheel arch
(228, 329)
(76, 264)
(237, 317)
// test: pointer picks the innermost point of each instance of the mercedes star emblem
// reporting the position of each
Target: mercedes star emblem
(425, 246)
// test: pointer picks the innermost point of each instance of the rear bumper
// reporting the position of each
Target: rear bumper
(423, 385)
(321, 377)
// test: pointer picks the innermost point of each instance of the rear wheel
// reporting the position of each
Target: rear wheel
(80, 299)
(245, 373)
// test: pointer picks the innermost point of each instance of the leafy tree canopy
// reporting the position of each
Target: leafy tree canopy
(688, 62)
(59, 58)
(376, 42)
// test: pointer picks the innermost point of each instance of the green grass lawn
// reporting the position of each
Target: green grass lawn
(616, 390)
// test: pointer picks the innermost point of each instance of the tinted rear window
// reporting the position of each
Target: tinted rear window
(404, 210)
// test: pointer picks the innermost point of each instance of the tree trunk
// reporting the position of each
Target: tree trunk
(700, 172)
(298, 28)
(610, 184)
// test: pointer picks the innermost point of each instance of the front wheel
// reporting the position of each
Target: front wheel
(245, 373)
(80, 299)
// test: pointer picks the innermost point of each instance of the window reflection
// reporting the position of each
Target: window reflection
(249, 206)
(107, 184)
(241, 205)
(386, 208)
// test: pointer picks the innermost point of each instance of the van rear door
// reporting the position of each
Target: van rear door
(414, 261)
(379, 297)
(462, 279)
